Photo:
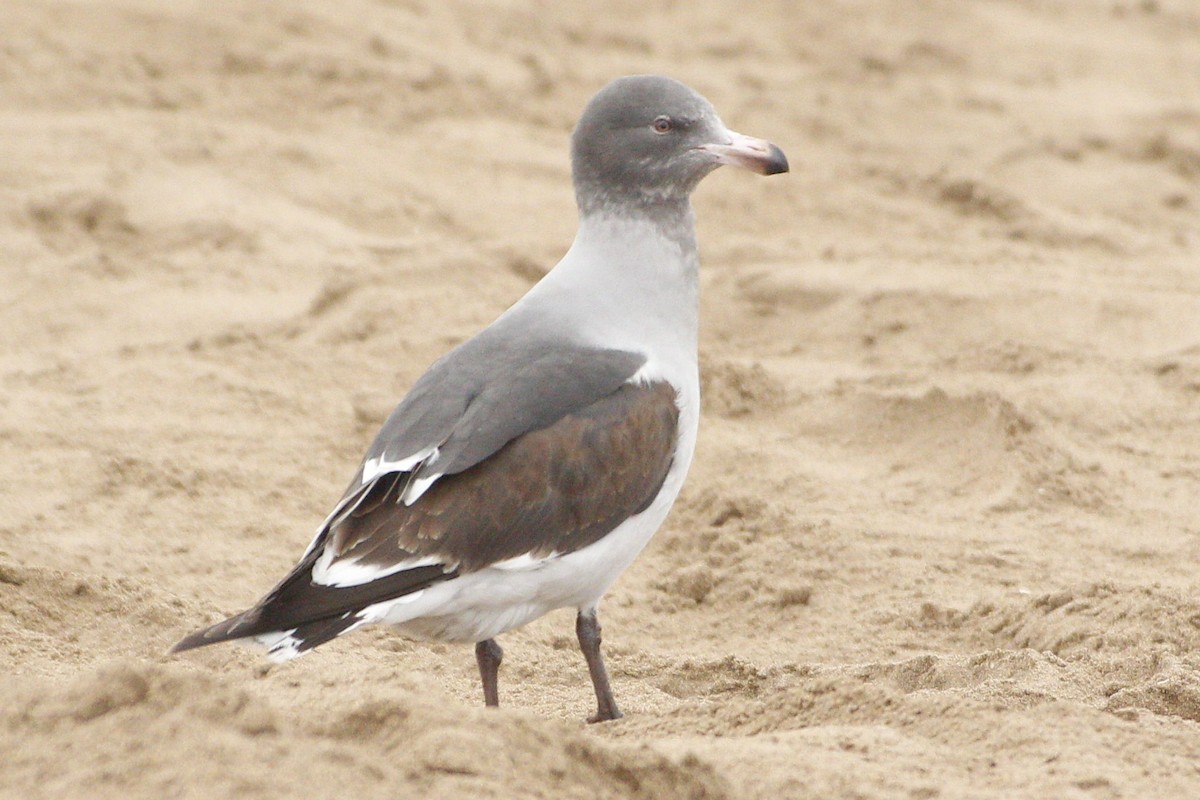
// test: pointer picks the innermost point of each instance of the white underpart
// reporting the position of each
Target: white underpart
(379, 611)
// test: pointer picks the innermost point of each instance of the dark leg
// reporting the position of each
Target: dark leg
(488, 655)
(587, 628)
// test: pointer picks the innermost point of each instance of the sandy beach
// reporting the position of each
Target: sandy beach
(942, 535)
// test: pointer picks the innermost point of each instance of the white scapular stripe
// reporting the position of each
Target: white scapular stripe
(526, 561)
(351, 572)
(374, 467)
(417, 486)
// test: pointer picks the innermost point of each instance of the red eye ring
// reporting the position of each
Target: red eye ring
(662, 125)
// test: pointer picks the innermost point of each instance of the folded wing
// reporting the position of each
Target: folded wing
(563, 482)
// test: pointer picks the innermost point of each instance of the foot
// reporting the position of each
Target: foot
(587, 628)
(488, 655)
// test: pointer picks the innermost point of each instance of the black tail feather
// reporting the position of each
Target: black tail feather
(221, 632)
(322, 611)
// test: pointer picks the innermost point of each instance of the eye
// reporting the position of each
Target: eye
(663, 125)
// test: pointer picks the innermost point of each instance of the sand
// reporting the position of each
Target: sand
(941, 536)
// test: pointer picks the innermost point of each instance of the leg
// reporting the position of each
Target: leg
(488, 655)
(587, 628)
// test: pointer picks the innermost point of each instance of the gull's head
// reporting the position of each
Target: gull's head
(647, 139)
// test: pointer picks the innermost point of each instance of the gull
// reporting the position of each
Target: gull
(528, 467)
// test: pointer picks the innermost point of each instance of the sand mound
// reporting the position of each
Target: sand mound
(977, 449)
(188, 734)
(1098, 618)
(48, 617)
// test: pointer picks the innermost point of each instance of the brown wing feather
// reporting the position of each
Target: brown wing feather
(553, 490)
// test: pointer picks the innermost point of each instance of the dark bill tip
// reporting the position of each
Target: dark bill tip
(747, 152)
(776, 162)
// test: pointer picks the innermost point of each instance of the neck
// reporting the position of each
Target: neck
(634, 277)
(670, 217)
(651, 245)
(639, 268)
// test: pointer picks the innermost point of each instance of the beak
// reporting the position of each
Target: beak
(756, 155)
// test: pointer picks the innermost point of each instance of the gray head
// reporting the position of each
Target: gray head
(648, 140)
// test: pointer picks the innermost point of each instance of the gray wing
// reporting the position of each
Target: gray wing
(479, 397)
(550, 491)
